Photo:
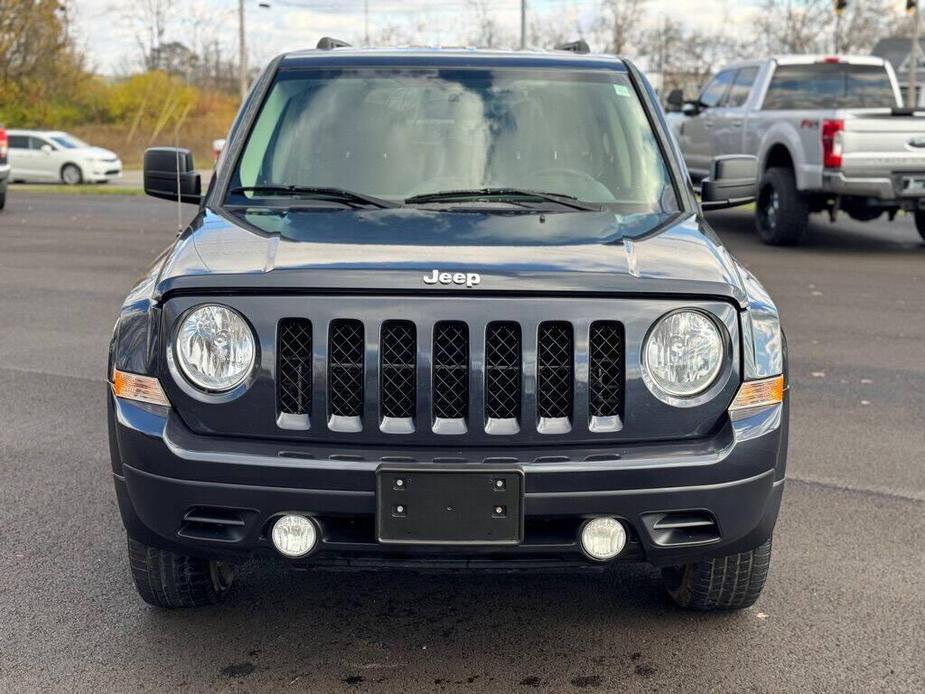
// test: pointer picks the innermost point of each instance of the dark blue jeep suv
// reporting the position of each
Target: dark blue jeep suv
(449, 309)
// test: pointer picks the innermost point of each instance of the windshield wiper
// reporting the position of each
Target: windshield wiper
(501, 193)
(339, 194)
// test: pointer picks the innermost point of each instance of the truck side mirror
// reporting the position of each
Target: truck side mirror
(691, 108)
(169, 174)
(733, 181)
(675, 100)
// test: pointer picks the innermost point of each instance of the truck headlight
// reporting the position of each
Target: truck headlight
(682, 355)
(215, 347)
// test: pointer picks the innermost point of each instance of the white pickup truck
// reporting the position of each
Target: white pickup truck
(829, 132)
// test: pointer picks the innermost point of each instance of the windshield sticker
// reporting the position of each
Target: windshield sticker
(622, 90)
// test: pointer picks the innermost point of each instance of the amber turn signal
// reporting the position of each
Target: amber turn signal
(754, 394)
(141, 388)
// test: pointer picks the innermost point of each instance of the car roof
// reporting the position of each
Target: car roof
(46, 133)
(449, 57)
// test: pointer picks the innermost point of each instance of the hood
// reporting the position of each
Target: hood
(392, 251)
(96, 153)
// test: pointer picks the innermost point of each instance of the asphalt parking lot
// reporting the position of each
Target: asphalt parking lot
(844, 609)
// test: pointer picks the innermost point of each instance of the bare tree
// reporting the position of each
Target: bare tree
(619, 26)
(488, 31)
(149, 21)
(808, 26)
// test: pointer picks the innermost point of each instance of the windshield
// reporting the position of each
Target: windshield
(829, 86)
(399, 133)
(68, 141)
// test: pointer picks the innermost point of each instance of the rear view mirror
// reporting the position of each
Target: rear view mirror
(169, 174)
(675, 100)
(47, 149)
(733, 181)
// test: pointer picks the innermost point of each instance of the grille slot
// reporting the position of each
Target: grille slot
(294, 366)
(346, 347)
(503, 371)
(398, 361)
(451, 371)
(606, 380)
(554, 372)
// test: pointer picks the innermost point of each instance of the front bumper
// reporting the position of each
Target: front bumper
(167, 477)
(102, 172)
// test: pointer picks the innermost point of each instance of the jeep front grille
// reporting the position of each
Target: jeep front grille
(346, 347)
(398, 354)
(499, 377)
(502, 371)
(605, 370)
(294, 366)
(554, 365)
(451, 371)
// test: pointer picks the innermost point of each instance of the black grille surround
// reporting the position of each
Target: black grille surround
(346, 348)
(397, 369)
(294, 366)
(450, 392)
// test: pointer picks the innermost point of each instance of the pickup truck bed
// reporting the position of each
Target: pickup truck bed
(832, 129)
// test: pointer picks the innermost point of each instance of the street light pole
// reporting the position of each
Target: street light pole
(242, 51)
(523, 24)
(366, 19)
(914, 59)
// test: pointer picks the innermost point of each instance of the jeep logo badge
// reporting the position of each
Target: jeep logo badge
(470, 279)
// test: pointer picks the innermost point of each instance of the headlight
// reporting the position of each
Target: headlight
(215, 347)
(682, 355)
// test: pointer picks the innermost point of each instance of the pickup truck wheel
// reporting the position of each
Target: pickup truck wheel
(165, 579)
(919, 222)
(732, 582)
(783, 215)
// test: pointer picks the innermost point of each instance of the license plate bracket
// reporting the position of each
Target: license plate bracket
(449, 506)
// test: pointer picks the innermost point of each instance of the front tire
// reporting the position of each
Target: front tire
(71, 175)
(732, 582)
(169, 580)
(783, 214)
(920, 223)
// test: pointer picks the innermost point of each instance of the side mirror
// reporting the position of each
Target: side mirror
(691, 108)
(47, 149)
(169, 175)
(733, 181)
(675, 100)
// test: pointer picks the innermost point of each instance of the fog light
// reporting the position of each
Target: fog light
(294, 536)
(603, 538)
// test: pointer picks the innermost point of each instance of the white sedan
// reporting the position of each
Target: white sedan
(52, 155)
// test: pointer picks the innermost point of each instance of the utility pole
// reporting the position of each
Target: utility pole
(839, 6)
(366, 20)
(523, 24)
(242, 51)
(913, 5)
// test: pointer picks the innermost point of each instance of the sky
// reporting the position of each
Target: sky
(294, 24)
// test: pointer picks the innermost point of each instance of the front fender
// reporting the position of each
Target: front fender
(134, 336)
